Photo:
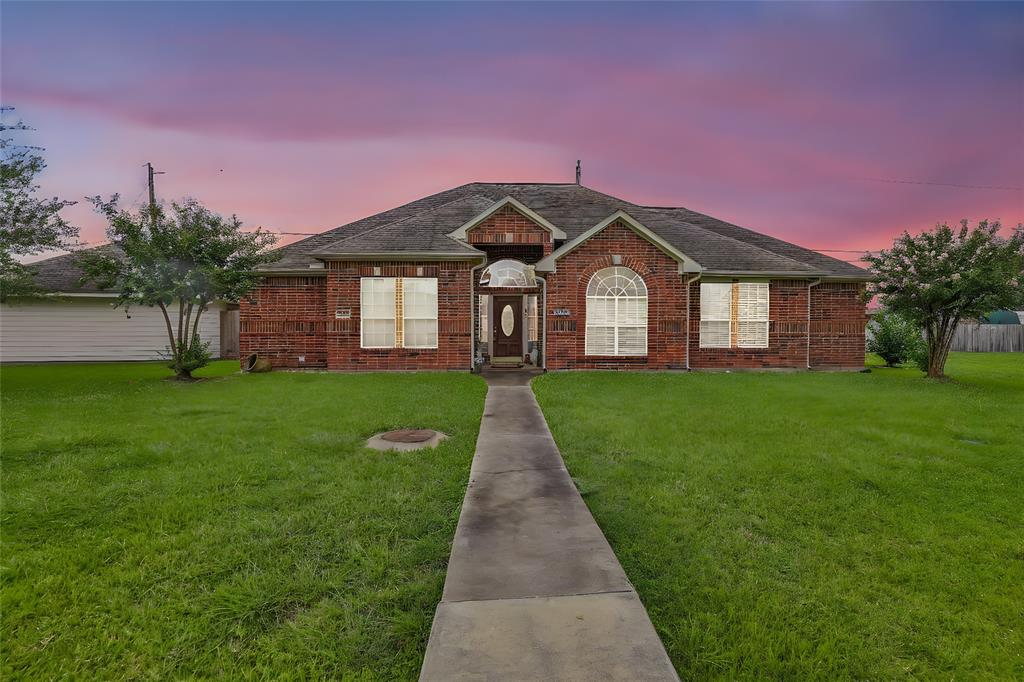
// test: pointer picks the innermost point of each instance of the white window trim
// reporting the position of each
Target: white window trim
(706, 316)
(746, 290)
(616, 325)
(363, 292)
(398, 313)
(405, 311)
(742, 292)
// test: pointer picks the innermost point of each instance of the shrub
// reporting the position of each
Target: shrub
(190, 357)
(896, 339)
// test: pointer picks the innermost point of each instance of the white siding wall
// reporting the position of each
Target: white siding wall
(90, 329)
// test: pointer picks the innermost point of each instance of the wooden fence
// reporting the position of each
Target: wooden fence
(988, 338)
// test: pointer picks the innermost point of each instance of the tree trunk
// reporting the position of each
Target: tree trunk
(181, 319)
(170, 331)
(939, 341)
(195, 325)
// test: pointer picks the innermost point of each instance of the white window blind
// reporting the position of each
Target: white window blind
(715, 314)
(377, 312)
(419, 321)
(718, 324)
(752, 325)
(616, 313)
(484, 304)
(385, 300)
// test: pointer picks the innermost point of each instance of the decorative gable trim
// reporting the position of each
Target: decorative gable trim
(686, 264)
(462, 232)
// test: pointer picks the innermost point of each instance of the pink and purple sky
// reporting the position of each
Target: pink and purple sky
(810, 122)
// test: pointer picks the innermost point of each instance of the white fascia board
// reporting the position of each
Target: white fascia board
(686, 264)
(462, 233)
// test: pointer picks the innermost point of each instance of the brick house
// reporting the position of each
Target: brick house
(556, 275)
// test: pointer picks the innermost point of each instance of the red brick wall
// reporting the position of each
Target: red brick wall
(666, 306)
(509, 226)
(283, 318)
(286, 317)
(787, 332)
(838, 320)
(837, 329)
(454, 323)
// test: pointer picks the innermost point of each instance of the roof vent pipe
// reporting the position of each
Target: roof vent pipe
(579, 171)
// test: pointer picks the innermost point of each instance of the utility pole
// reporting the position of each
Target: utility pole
(152, 189)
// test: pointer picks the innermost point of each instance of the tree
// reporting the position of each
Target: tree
(937, 278)
(28, 224)
(184, 259)
(895, 338)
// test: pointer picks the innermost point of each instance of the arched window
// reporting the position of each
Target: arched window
(508, 273)
(616, 313)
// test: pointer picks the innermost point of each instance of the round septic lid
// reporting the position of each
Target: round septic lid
(408, 436)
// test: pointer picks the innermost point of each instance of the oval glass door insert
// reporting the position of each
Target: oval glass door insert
(508, 320)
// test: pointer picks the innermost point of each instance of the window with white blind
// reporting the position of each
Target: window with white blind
(752, 322)
(419, 303)
(484, 304)
(398, 312)
(715, 314)
(616, 313)
(377, 311)
(734, 313)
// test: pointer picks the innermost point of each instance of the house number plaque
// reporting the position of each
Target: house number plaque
(560, 312)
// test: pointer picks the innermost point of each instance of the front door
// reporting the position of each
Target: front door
(508, 327)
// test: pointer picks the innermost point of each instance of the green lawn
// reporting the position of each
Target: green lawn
(231, 528)
(812, 525)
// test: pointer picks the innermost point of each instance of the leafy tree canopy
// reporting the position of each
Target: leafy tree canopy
(182, 259)
(29, 224)
(937, 278)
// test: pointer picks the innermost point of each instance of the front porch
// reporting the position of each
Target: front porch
(506, 326)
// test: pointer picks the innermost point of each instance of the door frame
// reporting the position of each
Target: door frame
(520, 325)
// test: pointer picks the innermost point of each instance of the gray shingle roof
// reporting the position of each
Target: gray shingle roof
(422, 227)
(61, 273)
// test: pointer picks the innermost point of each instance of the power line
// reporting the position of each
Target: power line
(1005, 188)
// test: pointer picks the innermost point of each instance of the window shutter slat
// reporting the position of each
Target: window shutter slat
(715, 314)
(753, 315)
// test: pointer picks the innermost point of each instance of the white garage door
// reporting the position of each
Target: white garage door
(90, 329)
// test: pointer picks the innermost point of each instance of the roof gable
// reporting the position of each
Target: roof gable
(462, 232)
(686, 264)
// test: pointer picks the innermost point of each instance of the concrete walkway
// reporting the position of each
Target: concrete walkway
(534, 591)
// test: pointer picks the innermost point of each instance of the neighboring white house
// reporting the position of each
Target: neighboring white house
(81, 324)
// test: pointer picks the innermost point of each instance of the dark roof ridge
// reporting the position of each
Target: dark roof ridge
(401, 220)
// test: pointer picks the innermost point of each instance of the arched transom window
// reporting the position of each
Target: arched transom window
(616, 313)
(508, 273)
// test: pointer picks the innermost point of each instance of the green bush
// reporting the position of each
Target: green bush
(190, 357)
(896, 339)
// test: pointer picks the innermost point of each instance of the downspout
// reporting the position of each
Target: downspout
(810, 286)
(472, 315)
(542, 321)
(687, 283)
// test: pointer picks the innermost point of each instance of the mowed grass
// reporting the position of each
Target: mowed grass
(233, 528)
(812, 525)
